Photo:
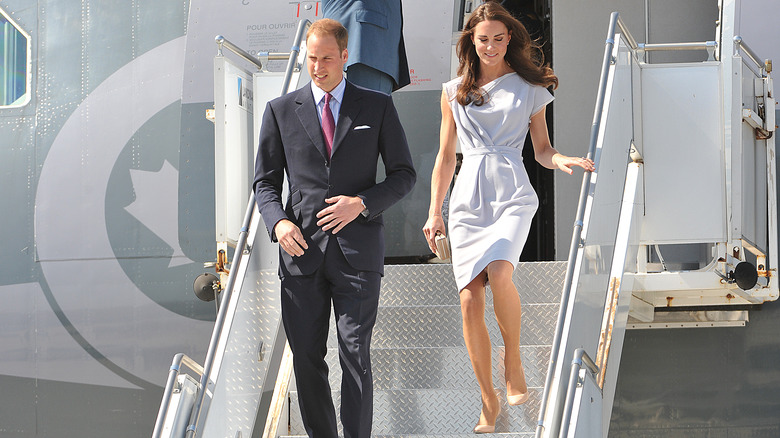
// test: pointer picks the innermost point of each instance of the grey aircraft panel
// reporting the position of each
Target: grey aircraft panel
(71, 368)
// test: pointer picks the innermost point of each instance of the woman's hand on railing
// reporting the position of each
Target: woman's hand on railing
(565, 163)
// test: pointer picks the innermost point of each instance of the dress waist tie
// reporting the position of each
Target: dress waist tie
(494, 150)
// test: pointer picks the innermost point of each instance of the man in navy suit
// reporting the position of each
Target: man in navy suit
(377, 55)
(328, 137)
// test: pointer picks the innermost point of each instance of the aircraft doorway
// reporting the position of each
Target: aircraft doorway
(540, 246)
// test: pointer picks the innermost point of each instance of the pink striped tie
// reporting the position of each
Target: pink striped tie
(328, 125)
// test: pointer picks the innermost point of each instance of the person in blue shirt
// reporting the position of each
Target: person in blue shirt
(377, 55)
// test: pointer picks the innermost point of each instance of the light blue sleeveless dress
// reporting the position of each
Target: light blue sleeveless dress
(492, 202)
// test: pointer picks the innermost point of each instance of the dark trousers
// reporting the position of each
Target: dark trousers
(306, 304)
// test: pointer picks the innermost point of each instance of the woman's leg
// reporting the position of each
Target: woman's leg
(506, 303)
(475, 333)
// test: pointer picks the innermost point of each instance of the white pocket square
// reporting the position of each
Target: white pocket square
(361, 127)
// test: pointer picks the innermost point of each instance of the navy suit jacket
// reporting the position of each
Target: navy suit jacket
(291, 141)
(376, 36)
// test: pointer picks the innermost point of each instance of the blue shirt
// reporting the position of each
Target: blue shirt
(337, 95)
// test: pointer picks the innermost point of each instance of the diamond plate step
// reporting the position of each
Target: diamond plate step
(441, 326)
(471, 435)
(434, 284)
(423, 381)
(444, 368)
(435, 411)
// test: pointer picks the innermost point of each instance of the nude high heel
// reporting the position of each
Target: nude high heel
(488, 428)
(517, 400)
(484, 428)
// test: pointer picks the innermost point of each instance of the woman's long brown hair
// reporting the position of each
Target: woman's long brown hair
(523, 55)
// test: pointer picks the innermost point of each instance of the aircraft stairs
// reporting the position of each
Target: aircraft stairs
(423, 381)
(645, 253)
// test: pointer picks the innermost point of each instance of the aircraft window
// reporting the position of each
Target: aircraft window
(15, 67)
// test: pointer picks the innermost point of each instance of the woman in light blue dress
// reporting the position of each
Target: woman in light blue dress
(498, 97)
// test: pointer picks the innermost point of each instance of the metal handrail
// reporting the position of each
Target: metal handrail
(741, 44)
(178, 360)
(658, 47)
(273, 56)
(303, 26)
(626, 34)
(219, 324)
(710, 46)
(576, 240)
(581, 359)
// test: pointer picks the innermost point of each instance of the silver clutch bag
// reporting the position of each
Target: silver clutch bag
(442, 247)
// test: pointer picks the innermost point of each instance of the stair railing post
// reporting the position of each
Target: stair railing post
(576, 241)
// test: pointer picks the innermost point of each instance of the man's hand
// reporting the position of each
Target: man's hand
(342, 210)
(290, 238)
